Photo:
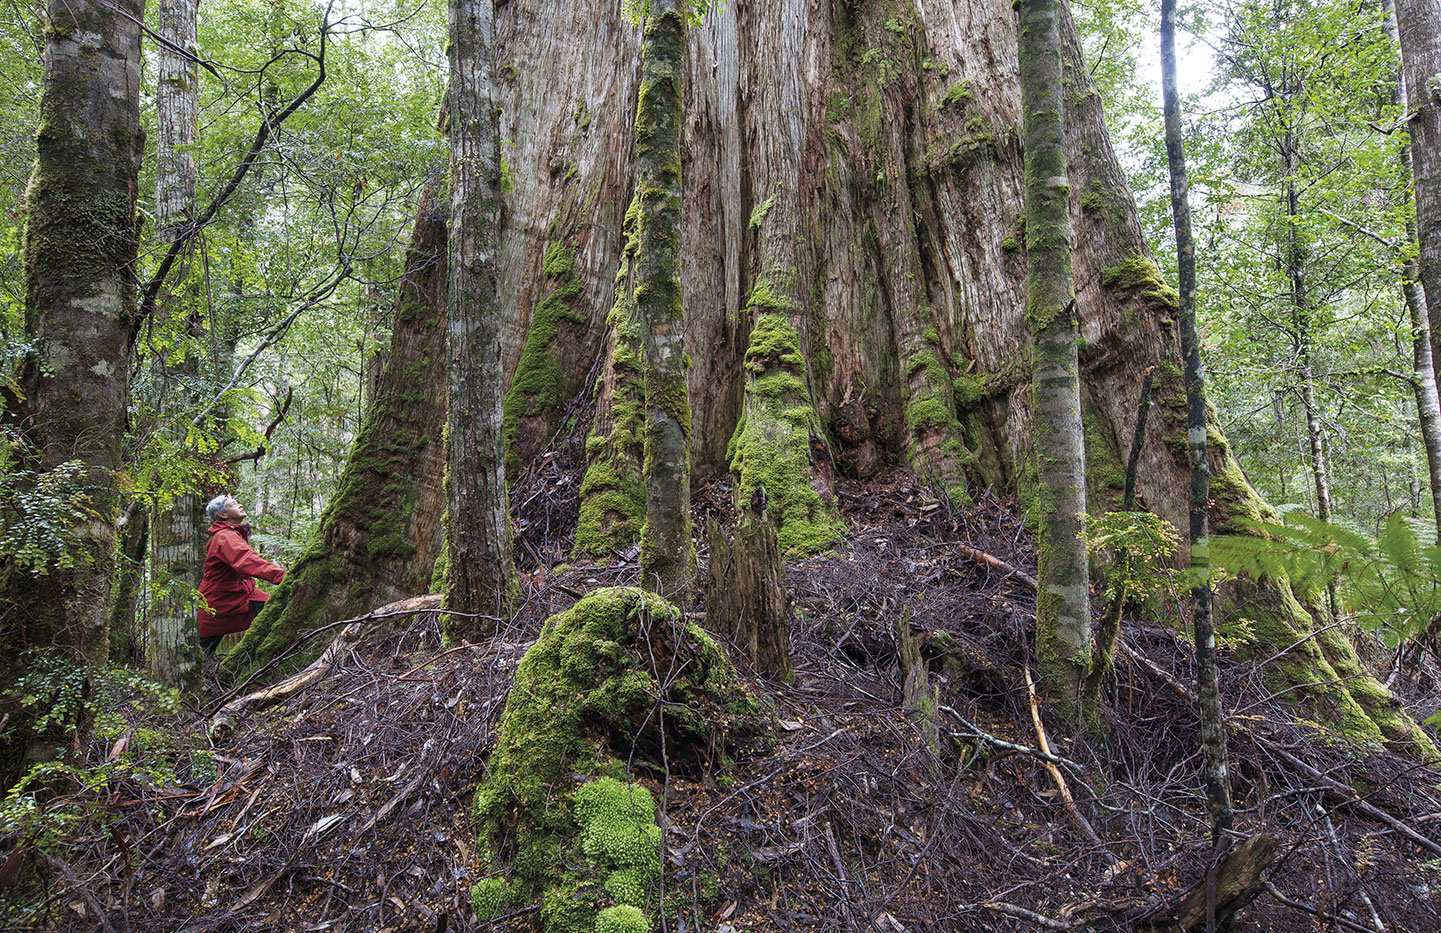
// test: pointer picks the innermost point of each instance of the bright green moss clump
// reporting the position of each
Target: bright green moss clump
(619, 832)
(554, 815)
(1140, 274)
(621, 919)
(779, 435)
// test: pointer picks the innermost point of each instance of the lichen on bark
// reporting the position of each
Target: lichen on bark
(666, 554)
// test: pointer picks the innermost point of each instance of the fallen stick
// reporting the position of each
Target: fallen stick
(1055, 772)
(222, 723)
(978, 733)
(995, 563)
(1318, 914)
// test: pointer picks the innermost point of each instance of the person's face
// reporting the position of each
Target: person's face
(234, 513)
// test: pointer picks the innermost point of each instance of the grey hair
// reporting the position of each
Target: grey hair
(215, 506)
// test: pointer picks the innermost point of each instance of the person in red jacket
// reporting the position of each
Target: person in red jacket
(227, 583)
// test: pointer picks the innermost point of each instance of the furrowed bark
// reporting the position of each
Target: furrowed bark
(481, 576)
(177, 551)
(1213, 731)
(896, 127)
(380, 535)
(80, 254)
(1063, 615)
(667, 558)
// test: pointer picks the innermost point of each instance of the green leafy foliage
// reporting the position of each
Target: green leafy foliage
(1390, 582)
(1142, 543)
(39, 511)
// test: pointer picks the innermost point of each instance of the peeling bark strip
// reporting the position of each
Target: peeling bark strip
(666, 556)
(80, 251)
(481, 575)
(380, 535)
(1213, 732)
(1063, 614)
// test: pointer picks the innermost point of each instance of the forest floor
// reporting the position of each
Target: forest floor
(347, 806)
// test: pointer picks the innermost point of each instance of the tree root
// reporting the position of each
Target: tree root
(224, 721)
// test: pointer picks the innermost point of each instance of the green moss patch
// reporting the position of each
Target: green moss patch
(539, 388)
(612, 494)
(1140, 274)
(558, 822)
(779, 434)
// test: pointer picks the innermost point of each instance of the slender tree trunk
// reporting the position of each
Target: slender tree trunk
(1063, 615)
(380, 535)
(481, 576)
(1419, 35)
(1301, 337)
(172, 653)
(1213, 730)
(1423, 364)
(667, 557)
(80, 302)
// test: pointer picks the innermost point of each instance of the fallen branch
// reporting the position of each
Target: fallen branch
(1319, 914)
(1055, 772)
(1342, 792)
(1022, 913)
(995, 563)
(222, 724)
(978, 733)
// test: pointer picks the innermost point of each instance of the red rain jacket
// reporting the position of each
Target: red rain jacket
(227, 581)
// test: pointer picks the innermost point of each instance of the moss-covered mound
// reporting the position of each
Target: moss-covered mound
(617, 683)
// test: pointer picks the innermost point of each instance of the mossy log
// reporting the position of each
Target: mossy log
(563, 823)
(746, 602)
(379, 537)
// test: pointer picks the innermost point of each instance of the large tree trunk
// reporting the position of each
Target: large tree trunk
(380, 535)
(1063, 605)
(1419, 25)
(866, 156)
(80, 301)
(172, 654)
(480, 573)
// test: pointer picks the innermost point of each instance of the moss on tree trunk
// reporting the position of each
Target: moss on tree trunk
(379, 537)
(80, 248)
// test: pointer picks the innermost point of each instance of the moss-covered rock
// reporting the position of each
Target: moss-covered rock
(556, 817)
